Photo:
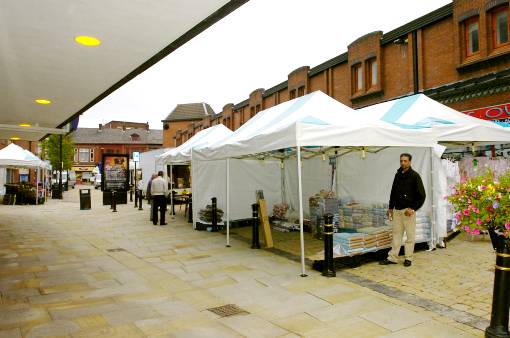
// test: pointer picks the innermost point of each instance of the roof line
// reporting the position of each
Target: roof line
(226, 9)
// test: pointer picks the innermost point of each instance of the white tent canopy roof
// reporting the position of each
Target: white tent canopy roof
(17, 157)
(419, 111)
(315, 119)
(205, 138)
(40, 59)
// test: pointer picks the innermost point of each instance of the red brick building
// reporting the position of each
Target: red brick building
(458, 55)
(117, 137)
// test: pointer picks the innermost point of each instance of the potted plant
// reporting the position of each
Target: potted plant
(482, 203)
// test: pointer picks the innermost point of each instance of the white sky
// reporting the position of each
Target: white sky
(256, 46)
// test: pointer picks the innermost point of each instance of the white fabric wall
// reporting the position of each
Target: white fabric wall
(370, 179)
(208, 181)
(246, 176)
(316, 175)
(3, 177)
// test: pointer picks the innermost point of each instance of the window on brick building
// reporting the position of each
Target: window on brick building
(301, 91)
(92, 153)
(471, 35)
(75, 158)
(292, 94)
(357, 78)
(252, 112)
(500, 26)
(84, 155)
(135, 137)
(372, 73)
(257, 108)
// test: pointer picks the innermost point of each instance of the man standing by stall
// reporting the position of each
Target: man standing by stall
(159, 191)
(407, 196)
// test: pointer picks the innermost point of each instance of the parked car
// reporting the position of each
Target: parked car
(97, 181)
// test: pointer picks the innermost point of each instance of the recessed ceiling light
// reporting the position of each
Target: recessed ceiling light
(88, 41)
(15, 138)
(43, 101)
(25, 125)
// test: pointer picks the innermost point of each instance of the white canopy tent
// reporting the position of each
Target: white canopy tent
(315, 124)
(13, 156)
(451, 128)
(183, 154)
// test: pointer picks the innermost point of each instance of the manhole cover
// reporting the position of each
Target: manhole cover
(115, 250)
(227, 310)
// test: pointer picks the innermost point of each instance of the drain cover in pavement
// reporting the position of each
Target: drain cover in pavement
(115, 250)
(227, 310)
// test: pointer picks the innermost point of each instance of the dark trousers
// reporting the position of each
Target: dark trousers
(158, 202)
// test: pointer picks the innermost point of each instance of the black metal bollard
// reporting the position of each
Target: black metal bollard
(255, 243)
(328, 269)
(214, 210)
(501, 296)
(114, 201)
(190, 211)
(140, 198)
(131, 195)
(136, 198)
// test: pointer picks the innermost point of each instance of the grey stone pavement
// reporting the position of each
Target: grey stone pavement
(71, 273)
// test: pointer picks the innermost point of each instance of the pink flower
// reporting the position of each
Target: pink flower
(476, 232)
(476, 210)
(457, 216)
(478, 221)
(482, 188)
(507, 225)
(466, 212)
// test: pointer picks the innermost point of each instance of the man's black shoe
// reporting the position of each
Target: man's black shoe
(386, 262)
(155, 223)
(163, 223)
(407, 263)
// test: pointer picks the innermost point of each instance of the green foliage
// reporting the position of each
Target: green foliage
(483, 202)
(51, 151)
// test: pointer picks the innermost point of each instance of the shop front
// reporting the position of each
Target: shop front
(83, 173)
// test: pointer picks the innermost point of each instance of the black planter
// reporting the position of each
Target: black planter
(501, 296)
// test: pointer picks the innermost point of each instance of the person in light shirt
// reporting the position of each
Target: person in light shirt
(159, 191)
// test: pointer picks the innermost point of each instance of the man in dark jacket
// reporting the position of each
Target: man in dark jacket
(407, 196)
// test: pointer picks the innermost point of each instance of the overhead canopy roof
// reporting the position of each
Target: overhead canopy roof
(40, 59)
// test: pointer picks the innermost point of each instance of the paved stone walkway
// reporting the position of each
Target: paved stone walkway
(71, 273)
(458, 279)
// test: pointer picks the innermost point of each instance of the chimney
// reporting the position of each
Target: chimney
(147, 126)
(100, 127)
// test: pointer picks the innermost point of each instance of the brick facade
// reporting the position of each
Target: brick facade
(428, 55)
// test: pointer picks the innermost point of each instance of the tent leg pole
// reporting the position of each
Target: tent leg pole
(301, 232)
(37, 186)
(433, 241)
(228, 203)
(172, 191)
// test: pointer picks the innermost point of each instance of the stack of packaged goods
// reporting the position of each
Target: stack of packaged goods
(382, 235)
(359, 215)
(348, 244)
(423, 227)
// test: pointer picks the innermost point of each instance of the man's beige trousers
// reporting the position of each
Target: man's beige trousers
(400, 224)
